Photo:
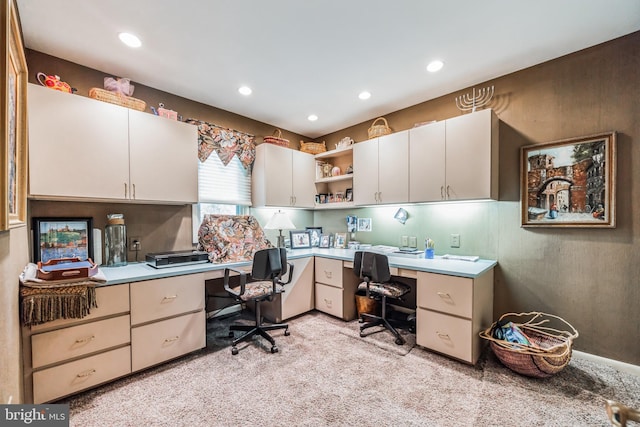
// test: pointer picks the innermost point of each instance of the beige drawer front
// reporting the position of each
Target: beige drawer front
(444, 334)
(447, 294)
(329, 299)
(161, 298)
(67, 343)
(167, 339)
(329, 271)
(52, 383)
(113, 299)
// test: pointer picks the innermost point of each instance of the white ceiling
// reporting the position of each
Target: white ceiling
(315, 56)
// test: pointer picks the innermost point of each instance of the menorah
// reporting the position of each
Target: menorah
(472, 101)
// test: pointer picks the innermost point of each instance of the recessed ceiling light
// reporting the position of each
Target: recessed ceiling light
(312, 117)
(130, 40)
(364, 95)
(245, 90)
(435, 66)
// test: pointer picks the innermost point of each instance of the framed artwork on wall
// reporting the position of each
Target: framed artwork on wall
(569, 183)
(13, 142)
(57, 238)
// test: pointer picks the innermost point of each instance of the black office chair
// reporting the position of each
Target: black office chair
(269, 265)
(373, 269)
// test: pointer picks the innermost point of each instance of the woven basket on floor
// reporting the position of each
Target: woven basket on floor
(379, 130)
(276, 139)
(550, 349)
(114, 98)
(313, 147)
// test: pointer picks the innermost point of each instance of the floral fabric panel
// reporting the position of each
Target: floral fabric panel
(225, 142)
(390, 290)
(256, 290)
(229, 238)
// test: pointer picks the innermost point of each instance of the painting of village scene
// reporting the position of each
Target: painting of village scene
(569, 183)
(57, 238)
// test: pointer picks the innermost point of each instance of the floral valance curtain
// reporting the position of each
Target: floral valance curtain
(225, 142)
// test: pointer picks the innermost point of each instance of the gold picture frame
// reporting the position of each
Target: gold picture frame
(13, 109)
(569, 183)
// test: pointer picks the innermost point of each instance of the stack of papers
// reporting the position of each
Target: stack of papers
(471, 258)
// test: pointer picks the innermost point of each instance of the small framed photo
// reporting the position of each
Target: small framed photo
(340, 241)
(325, 241)
(352, 223)
(56, 238)
(314, 234)
(364, 224)
(300, 239)
(348, 195)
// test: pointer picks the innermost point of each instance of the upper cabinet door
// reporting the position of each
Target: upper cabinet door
(164, 159)
(393, 168)
(303, 177)
(78, 147)
(365, 172)
(472, 156)
(272, 176)
(427, 163)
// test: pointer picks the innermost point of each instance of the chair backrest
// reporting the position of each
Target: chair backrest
(230, 238)
(372, 266)
(269, 264)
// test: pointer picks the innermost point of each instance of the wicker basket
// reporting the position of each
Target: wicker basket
(313, 147)
(550, 349)
(379, 130)
(276, 139)
(114, 98)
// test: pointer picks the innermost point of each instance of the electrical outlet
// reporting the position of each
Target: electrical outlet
(413, 242)
(135, 244)
(404, 241)
(455, 240)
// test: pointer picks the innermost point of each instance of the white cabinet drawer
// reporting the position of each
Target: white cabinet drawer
(52, 383)
(112, 299)
(67, 343)
(329, 299)
(329, 271)
(445, 334)
(161, 298)
(447, 294)
(167, 339)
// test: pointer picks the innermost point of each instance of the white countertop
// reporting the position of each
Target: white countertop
(134, 272)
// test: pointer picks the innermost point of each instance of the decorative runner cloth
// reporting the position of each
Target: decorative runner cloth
(226, 142)
(46, 300)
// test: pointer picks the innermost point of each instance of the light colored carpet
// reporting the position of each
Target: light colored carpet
(322, 376)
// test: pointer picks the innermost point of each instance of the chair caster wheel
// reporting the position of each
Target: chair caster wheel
(361, 320)
(399, 341)
(274, 349)
(286, 333)
(362, 334)
(234, 350)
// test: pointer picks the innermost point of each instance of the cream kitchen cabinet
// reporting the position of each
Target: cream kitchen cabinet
(283, 177)
(167, 319)
(81, 148)
(335, 288)
(298, 296)
(451, 311)
(456, 159)
(381, 170)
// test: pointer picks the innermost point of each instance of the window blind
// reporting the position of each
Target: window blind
(218, 183)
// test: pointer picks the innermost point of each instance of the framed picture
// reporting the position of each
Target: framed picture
(348, 195)
(352, 223)
(55, 238)
(364, 224)
(325, 241)
(13, 141)
(569, 183)
(340, 240)
(314, 235)
(300, 239)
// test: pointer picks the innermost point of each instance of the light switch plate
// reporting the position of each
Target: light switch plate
(455, 240)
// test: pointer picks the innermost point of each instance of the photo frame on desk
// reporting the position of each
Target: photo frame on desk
(314, 235)
(300, 239)
(56, 238)
(340, 241)
(325, 241)
(13, 142)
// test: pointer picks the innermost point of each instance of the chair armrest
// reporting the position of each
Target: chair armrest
(290, 273)
(243, 281)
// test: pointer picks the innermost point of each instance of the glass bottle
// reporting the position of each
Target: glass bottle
(115, 236)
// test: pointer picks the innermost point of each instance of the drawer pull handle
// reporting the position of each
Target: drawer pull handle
(328, 274)
(85, 339)
(443, 336)
(86, 373)
(172, 339)
(444, 295)
(328, 302)
(169, 298)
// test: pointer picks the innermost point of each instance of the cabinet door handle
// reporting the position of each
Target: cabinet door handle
(328, 274)
(443, 336)
(85, 339)
(448, 195)
(442, 192)
(169, 298)
(126, 187)
(295, 200)
(87, 373)
(172, 339)
(380, 196)
(133, 191)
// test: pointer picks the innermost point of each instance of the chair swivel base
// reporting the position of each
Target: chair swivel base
(251, 330)
(379, 321)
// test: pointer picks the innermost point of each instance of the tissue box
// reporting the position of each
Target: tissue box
(168, 114)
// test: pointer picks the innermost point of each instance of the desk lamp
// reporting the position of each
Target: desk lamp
(280, 221)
